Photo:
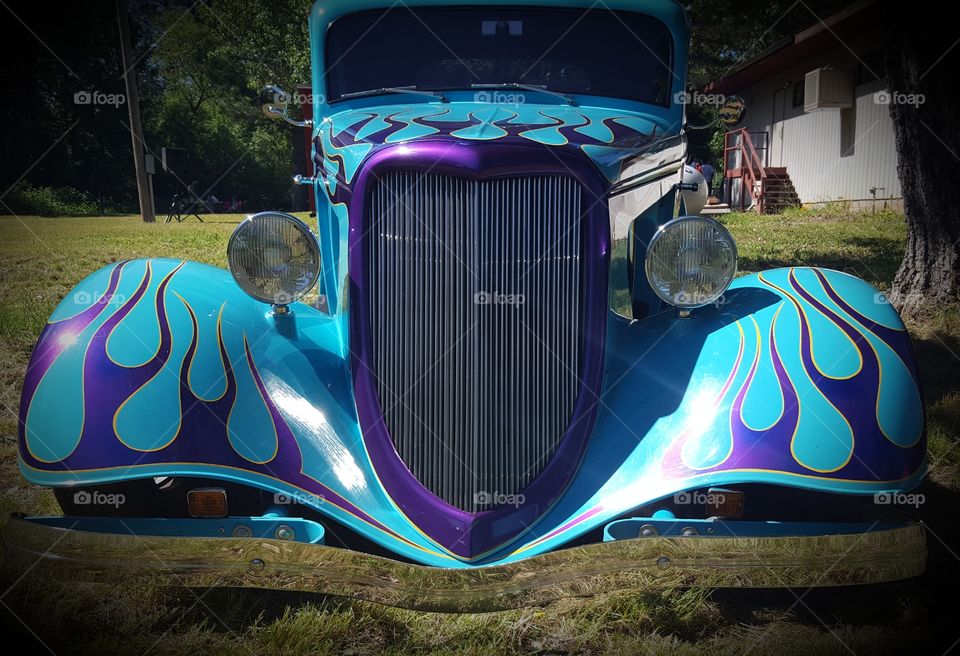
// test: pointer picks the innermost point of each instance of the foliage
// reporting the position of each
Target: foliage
(25, 198)
(199, 67)
(206, 97)
(724, 35)
(47, 134)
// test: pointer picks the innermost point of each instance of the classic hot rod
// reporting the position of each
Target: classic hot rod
(510, 362)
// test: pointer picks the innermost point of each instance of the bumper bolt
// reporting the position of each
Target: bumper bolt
(284, 532)
(257, 565)
(648, 531)
(689, 531)
(242, 531)
(663, 561)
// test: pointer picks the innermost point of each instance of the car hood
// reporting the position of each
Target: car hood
(609, 137)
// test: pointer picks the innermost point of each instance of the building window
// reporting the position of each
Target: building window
(848, 131)
(798, 88)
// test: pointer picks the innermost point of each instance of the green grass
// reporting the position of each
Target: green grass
(865, 244)
(41, 259)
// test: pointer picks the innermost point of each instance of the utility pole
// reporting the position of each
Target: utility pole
(133, 106)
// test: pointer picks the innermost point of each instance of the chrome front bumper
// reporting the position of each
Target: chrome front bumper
(638, 563)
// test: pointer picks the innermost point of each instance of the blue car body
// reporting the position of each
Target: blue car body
(801, 377)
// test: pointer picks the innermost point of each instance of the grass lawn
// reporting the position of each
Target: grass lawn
(41, 259)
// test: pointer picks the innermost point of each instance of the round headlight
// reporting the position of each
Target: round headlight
(274, 257)
(691, 261)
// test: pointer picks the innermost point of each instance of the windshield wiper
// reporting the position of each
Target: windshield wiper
(412, 90)
(540, 88)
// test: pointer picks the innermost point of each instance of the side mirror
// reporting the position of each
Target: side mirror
(273, 104)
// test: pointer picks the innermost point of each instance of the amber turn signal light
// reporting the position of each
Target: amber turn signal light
(207, 502)
(725, 503)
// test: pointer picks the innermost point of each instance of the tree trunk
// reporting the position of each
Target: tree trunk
(921, 59)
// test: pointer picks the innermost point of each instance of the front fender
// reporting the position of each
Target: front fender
(166, 368)
(801, 372)
(802, 377)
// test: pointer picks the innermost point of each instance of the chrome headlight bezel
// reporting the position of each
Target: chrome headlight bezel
(290, 289)
(686, 300)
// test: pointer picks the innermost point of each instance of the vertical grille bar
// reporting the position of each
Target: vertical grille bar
(476, 314)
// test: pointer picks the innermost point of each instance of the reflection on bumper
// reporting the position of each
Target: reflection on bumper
(639, 563)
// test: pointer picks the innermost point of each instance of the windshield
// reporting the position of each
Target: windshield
(596, 52)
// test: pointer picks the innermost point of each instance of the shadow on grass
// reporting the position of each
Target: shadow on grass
(924, 608)
(939, 367)
(236, 609)
(879, 263)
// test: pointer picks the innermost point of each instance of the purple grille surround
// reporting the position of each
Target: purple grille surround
(467, 535)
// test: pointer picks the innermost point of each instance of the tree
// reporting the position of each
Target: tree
(206, 100)
(50, 136)
(199, 66)
(923, 60)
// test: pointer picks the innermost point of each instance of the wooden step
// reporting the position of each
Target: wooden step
(718, 208)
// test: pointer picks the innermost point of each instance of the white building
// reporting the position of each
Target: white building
(817, 106)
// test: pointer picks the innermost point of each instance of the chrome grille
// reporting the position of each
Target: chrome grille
(476, 387)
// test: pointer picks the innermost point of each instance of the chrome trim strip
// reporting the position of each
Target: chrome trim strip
(645, 178)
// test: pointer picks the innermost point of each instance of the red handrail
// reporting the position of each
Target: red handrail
(750, 169)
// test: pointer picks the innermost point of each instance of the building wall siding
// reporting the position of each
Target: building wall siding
(810, 145)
